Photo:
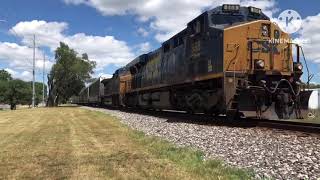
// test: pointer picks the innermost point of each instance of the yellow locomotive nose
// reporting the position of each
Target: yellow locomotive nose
(262, 53)
(261, 47)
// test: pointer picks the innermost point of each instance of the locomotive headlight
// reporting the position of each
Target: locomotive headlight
(254, 10)
(260, 64)
(265, 30)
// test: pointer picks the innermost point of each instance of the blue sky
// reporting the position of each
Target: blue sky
(113, 32)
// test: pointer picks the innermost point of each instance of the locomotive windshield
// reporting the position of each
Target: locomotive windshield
(225, 19)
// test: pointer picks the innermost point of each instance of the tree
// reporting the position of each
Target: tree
(4, 75)
(15, 91)
(3, 90)
(18, 92)
(68, 76)
(4, 78)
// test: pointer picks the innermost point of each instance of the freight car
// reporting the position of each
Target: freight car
(228, 60)
(90, 95)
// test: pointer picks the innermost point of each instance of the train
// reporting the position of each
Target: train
(227, 61)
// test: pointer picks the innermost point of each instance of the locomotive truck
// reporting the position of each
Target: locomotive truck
(228, 60)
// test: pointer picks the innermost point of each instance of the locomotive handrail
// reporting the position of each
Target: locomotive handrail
(310, 76)
(234, 66)
(276, 87)
(251, 55)
(235, 56)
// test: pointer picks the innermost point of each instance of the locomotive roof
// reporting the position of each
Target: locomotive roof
(244, 11)
(140, 59)
(221, 19)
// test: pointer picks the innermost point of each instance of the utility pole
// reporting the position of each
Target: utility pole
(33, 71)
(43, 75)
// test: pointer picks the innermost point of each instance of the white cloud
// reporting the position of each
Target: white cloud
(143, 32)
(102, 49)
(17, 56)
(23, 75)
(47, 33)
(144, 47)
(11, 71)
(26, 76)
(76, 2)
(103, 76)
(110, 7)
(310, 35)
(167, 18)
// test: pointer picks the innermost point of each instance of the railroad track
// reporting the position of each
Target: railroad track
(313, 128)
(201, 119)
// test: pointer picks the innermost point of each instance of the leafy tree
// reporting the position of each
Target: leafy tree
(18, 92)
(68, 75)
(4, 75)
(15, 91)
(3, 89)
(4, 78)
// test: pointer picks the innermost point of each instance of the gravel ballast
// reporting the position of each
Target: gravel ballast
(270, 153)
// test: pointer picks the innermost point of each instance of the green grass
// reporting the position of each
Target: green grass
(73, 143)
(192, 160)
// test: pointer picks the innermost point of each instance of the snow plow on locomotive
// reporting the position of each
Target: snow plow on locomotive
(229, 60)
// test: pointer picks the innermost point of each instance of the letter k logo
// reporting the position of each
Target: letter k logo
(288, 21)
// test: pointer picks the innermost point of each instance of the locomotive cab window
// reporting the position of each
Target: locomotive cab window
(225, 19)
(198, 25)
(177, 41)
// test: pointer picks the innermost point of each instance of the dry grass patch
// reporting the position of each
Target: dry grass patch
(73, 143)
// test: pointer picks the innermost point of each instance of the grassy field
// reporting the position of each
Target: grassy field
(73, 143)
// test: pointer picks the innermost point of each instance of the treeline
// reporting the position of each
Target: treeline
(314, 86)
(16, 91)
